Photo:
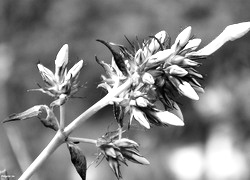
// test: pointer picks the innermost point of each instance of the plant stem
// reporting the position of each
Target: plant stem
(96, 107)
(62, 116)
(58, 139)
(61, 134)
(83, 140)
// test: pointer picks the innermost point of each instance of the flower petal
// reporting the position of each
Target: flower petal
(187, 90)
(141, 118)
(169, 118)
(230, 33)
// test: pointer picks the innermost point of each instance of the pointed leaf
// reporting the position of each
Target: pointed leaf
(117, 57)
(78, 160)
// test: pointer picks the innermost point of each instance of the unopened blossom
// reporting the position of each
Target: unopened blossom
(61, 83)
(117, 151)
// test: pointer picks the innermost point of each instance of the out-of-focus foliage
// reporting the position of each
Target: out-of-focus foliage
(213, 144)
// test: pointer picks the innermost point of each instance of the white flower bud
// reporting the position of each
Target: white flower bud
(182, 39)
(141, 102)
(186, 89)
(160, 56)
(124, 142)
(154, 45)
(61, 62)
(176, 70)
(74, 70)
(140, 117)
(47, 75)
(148, 78)
(169, 118)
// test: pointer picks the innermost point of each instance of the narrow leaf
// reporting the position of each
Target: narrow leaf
(117, 57)
(78, 159)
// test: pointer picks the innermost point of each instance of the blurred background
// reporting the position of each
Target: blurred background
(213, 145)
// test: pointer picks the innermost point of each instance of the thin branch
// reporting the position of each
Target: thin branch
(82, 140)
(62, 116)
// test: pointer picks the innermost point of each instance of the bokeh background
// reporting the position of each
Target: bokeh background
(213, 145)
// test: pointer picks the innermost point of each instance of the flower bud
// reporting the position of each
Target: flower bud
(61, 62)
(166, 117)
(186, 89)
(135, 157)
(124, 142)
(154, 44)
(192, 44)
(160, 56)
(176, 71)
(141, 102)
(110, 152)
(47, 75)
(140, 117)
(148, 78)
(74, 70)
(177, 59)
(182, 39)
(139, 57)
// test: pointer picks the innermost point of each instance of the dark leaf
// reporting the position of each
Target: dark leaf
(117, 57)
(118, 113)
(50, 121)
(78, 159)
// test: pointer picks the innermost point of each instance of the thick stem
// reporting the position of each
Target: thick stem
(96, 107)
(62, 116)
(58, 139)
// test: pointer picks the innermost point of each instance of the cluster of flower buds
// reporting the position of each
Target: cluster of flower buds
(117, 151)
(61, 84)
(160, 72)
